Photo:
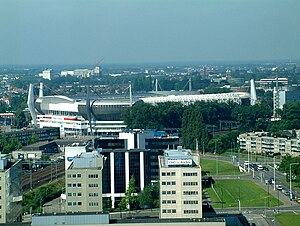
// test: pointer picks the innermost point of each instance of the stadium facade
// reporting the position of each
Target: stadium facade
(103, 115)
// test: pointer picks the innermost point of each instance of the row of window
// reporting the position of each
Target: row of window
(74, 175)
(190, 192)
(168, 174)
(79, 175)
(190, 202)
(190, 211)
(93, 194)
(75, 194)
(74, 185)
(190, 183)
(168, 211)
(184, 192)
(168, 192)
(168, 201)
(93, 185)
(168, 183)
(190, 174)
(93, 204)
(74, 203)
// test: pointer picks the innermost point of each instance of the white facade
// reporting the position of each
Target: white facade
(180, 184)
(189, 99)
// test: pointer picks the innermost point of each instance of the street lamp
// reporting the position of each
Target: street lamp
(291, 196)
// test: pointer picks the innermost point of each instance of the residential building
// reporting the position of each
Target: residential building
(84, 183)
(10, 190)
(264, 143)
(180, 184)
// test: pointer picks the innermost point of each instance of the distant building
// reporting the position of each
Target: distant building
(84, 183)
(264, 143)
(180, 184)
(10, 190)
(46, 74)
(43, 134)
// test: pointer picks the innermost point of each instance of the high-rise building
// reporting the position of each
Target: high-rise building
(84, 183)
(180, 184)
(10, 190)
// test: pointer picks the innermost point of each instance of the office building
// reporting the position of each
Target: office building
(84, 183)
(10, 190)
(180, 184)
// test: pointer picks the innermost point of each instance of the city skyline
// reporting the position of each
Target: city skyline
(83, 32)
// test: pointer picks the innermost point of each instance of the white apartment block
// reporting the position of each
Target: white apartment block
(180, 184)
(84, 183)
(262, 143)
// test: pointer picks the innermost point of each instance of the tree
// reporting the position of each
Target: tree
(33, 139)
(149, 197)
(193, 128)
(130, 199)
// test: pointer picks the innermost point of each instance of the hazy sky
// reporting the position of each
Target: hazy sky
(140, 31)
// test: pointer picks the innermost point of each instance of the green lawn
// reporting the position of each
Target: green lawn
(251, 195)
(288, 219)
(224, 168)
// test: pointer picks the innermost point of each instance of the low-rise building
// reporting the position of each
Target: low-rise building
(264, 143)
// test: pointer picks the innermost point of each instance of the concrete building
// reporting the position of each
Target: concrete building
(84, 183)
(180, 184)
(10, 190)
(264, 143)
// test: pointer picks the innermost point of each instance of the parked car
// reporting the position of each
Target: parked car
(287, 193)
(279, 187)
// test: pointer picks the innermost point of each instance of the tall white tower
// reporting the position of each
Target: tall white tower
(253, 97)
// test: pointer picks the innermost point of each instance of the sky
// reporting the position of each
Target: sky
(146, 31)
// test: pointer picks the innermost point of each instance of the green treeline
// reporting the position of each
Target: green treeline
(195, 120)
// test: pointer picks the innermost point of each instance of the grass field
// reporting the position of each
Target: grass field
(251, 195)
(288, 219)
(224, 168)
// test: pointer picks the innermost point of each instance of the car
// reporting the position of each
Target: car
(287, 193)
(297, 200)
(265, 168)
(260, 167)
(279, 187)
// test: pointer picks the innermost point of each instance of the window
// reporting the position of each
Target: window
(190, 202)
(93, 194)
(190, 192)
(69, 194)
(163, 174)
(79, 203)
(93, 185)
(79, 185)
(78, 175)
(69, 185)
(69, 175)
(93, 175)
(79, 194)
(190, 174)
(190, 211)
(69, 203)
(190, 183)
